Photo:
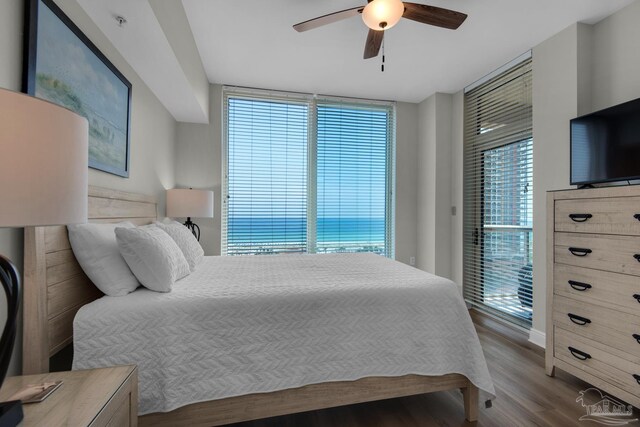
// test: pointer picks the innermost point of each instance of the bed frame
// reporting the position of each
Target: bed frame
(55, 288)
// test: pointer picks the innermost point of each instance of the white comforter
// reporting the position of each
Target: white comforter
(242, 325)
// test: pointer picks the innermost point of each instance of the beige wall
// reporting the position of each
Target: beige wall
(152, 128)
(198, 165)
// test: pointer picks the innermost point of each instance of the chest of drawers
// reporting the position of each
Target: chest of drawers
(593, 287)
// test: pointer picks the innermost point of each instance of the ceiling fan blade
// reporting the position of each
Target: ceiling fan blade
(374, 41)
(432, 15)
(327, 19)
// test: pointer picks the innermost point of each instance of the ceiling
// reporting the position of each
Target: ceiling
(175, 47)
(254, 44)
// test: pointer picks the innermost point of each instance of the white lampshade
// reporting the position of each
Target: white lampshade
(183, 203)
(44, 162)
(382, 14)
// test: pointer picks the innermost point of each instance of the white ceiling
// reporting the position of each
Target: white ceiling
(145, 46)
(251, 43)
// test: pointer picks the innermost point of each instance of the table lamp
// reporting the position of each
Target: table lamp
(43, 181)
(187, 203)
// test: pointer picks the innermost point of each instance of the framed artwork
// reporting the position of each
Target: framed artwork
(61, 65)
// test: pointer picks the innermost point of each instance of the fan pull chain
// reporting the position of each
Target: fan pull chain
(382, 67)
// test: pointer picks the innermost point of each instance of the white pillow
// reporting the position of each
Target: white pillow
(185, 240)
(96, 250)
(153, 256)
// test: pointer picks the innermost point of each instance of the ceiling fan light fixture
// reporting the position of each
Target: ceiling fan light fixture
(382, 14)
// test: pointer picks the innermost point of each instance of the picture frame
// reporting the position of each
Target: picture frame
(63, 66)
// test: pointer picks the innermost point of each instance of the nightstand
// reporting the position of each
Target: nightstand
(92, 397)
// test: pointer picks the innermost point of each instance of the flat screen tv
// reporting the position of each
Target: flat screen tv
(605, 145)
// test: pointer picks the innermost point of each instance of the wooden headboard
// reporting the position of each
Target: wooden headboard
(55, 287)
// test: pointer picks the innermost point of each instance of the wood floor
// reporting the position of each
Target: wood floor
(525, 395)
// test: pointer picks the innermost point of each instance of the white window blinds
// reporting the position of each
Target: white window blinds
(306, 175)
(266, 207)
(498, 195)
(353, 192)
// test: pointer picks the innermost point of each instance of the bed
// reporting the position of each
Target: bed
(236, 348)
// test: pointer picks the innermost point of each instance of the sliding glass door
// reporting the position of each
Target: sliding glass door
(498, 190)
(506, 230)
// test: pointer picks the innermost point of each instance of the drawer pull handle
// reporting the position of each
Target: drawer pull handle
(579, 286)
(636, 337)
(580, 217)
(580, 251)
(637, 377)
(637, 297)
(578, 320)
(637, 216)
(637, 257)
(581, 355)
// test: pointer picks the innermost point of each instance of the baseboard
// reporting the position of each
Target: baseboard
(537, 337)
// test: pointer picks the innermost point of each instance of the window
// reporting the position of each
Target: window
(307, 175)
(352, 155)
(266, 176)
(498, 190)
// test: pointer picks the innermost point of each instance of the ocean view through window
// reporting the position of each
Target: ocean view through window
(266, 176)
(351, 168)
(307, 175)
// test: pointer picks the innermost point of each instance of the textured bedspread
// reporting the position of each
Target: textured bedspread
(242, 325)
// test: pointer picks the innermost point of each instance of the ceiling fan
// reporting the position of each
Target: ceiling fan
(380, 15)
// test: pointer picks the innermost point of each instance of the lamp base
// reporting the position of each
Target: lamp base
(11, 413)
(193, 227)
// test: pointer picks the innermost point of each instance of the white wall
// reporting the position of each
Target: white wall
(615, 74)
(175, 25)
(406, 195)
(152, 128)
(442, 204)
(580, 70)
(198, 165)
(584, 64)
(555, 94)
(426, 224)
(457, 186)
(434, 225)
